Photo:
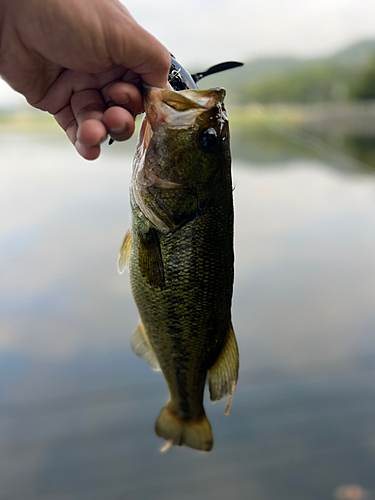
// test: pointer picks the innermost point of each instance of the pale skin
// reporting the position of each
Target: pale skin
(83, 61)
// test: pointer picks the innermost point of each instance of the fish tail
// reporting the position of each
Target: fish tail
(195, 433)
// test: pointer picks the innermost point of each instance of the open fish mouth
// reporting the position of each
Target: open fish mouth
(164, 107)
(179, 109)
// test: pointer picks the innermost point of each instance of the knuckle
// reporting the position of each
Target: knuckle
(92, 110)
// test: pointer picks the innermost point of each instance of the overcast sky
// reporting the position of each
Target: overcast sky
(204, 32)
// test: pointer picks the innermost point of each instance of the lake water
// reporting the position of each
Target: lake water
(77, 407)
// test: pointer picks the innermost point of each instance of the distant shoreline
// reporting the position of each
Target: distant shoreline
(342, 118)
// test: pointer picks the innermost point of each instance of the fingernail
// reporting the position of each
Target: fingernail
(118, 130)
(123, 99)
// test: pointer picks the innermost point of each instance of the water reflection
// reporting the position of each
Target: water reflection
(77, 408)
(278, 143)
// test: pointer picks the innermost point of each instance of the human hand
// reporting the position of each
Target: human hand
(82, 61)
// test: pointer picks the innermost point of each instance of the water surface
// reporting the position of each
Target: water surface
(77, 408)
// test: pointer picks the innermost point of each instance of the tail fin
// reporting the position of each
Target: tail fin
(195, 433)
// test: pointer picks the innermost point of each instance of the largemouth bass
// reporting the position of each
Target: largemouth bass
(179, 251)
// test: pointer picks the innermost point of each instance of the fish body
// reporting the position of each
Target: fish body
(180, 255)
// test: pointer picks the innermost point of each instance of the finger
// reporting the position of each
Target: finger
(68, 83)
(91, 132)
(119, 122)
(156, 76)
(87, 104)
(137, 49)
(88, 108)
(67, 121)
(89, 153)
(124, 94)
(154, 60)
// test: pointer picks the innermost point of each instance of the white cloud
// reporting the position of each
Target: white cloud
(208, 32)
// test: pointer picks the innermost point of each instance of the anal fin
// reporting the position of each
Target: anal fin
(223, 374)
(141, 347)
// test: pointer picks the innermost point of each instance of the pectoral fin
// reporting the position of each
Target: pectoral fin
(150, 259)
(124, 255)
(223, 374)
(141, 347)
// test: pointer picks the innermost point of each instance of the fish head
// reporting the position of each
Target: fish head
(182, 154)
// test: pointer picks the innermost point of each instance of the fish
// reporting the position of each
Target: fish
(179, 251)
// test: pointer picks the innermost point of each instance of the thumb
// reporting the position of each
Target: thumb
(135, 48)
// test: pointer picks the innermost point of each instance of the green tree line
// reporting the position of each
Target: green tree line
(319, 81)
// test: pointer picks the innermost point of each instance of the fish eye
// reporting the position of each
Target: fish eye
(208, 138)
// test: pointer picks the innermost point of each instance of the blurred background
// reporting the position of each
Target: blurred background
(77, 407)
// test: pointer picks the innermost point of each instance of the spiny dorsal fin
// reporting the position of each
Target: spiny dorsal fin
(124, 255)
(150, 259)
(141, 347)
(223, 374)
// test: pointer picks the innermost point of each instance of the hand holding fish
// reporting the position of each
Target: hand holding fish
(82, 61)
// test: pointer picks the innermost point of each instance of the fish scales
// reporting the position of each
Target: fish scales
(181, 258)
(187, 321)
